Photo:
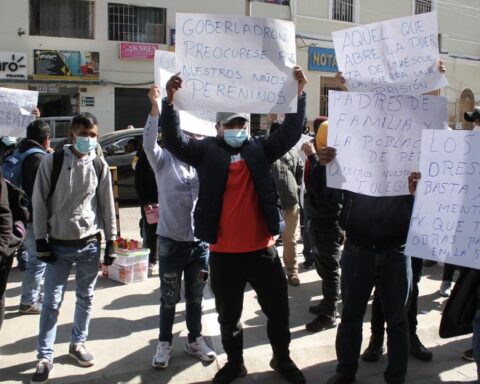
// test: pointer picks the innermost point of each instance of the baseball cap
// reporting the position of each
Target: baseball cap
(321, 137)
(472, 116)
(227, 117)
(9, 140)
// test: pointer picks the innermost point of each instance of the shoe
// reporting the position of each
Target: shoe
(418, 350)
(445, 288)
(152, 269)
(308, 264)
(163, 354)
(374, 350)
(43, 369)
(293, 280)
(288, 370)
(34, 309)
(79, 352)
(468, 355)
(319, 310)
(429, 263)
(201, 349)
(341, 379)
(321, 323)
(229, 372)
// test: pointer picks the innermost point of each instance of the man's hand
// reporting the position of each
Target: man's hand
(109, 255)
(326, 155)
(441, 66)
(413, 181)
(308, 148)
(43, 251)
(173, 85)
(154, 96)
(36, 113)
(300, 77)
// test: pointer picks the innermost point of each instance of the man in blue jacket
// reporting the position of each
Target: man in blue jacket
(238, 213)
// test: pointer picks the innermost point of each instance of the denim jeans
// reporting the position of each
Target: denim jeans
(476, 341)
(230, 273)
(328, 237)
(87, 260)
(32, 278)
(190, 259)
(389, 270)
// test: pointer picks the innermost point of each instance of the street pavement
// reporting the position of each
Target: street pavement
(124, 331)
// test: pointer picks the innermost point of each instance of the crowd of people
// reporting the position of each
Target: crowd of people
(212, 210)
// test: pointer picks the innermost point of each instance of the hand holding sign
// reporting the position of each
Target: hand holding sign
(154, 96)
(173, 85)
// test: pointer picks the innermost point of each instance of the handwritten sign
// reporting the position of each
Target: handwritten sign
(198, 122)
(445, 224)
(236, 63)
(394, 56)
(377, 137)
(16, 107)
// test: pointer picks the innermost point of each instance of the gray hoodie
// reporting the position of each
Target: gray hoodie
(77, 209)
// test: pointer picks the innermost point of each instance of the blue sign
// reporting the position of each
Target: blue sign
(322, 59)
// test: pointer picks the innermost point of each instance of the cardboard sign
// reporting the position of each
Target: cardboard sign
(394, 56)
(377, 137)
(235, 64)
(445, 223)
(16, 108)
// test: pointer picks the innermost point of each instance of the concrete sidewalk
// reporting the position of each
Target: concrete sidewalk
(124, 331)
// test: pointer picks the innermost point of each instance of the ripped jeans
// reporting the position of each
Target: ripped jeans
(190, 259)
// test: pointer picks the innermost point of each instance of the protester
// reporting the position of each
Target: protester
(287, 173)
(324, 206)
(146, 188)
(179, 250)
(31, 152)
(238, 213)
(72, 202)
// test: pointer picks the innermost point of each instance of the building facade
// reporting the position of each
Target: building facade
(96, 55)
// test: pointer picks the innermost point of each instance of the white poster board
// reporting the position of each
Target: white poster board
(16, 108)
(445, 223)
(199, 122)
(394, 56)
(377, 137)
(235, 63)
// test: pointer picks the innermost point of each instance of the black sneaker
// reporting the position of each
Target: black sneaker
(288, 370)
(321, 323)
(43, 369)
(80, 353)
(308, 264)
(229, 372)
(418, 350)
(374, 350)
(340, 378)
(468, 355)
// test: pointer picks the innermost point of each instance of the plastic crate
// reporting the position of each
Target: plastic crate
(129, 266)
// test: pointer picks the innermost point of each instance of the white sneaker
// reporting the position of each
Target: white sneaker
(163, 354)
(201, 349)
(445, 288)
(152, 269)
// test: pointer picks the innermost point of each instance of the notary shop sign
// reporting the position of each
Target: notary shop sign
(322, 59)
(13, 65)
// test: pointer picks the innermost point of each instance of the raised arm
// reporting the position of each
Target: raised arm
(150, 133)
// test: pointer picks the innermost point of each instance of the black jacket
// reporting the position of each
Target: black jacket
(211, 158)
(376, 221)
(323, 203)
(5, 222)
(145, 183)
(30, 165)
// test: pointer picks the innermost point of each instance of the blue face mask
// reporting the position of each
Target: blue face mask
(85, 144)
(235, 137)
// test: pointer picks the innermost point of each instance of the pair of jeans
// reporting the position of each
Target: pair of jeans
(87, 260)
(389, 270)
(476, 341)
(378, 319)
(289, 239)
(328, 237)
(149, 236)
(308, 248)
(5, 267)
(230, 272)
(32, 279)
(190, 259)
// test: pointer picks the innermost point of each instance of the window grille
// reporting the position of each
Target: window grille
(423, 6)
(342, 10)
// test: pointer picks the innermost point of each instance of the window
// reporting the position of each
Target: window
(423, 6)
(138, 24)
(326, 84)
(342, 10)
(62, 18)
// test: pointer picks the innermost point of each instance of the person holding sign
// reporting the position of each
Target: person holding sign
(238, 213)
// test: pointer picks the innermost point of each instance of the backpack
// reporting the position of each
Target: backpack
(12, 165)
(57, 168)
(18, 203)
